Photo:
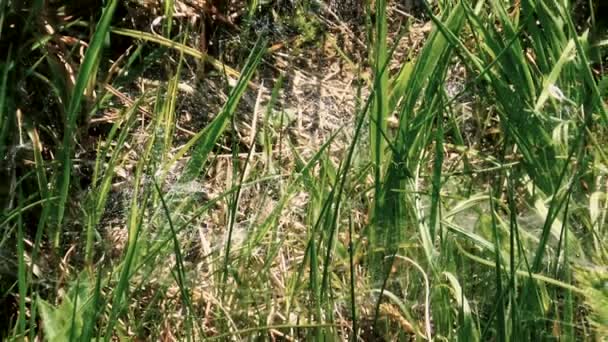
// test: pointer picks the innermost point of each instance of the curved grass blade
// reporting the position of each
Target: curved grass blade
(87, 71)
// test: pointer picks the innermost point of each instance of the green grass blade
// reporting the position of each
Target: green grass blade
(466, 329)
(206, 139)
(88, 69)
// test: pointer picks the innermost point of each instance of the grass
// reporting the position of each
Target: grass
(461, 196)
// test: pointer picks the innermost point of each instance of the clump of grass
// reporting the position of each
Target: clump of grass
(396, 226)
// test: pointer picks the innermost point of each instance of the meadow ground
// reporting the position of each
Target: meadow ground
(303, 170)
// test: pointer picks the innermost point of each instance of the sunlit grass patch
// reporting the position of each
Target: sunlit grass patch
(449, 185)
